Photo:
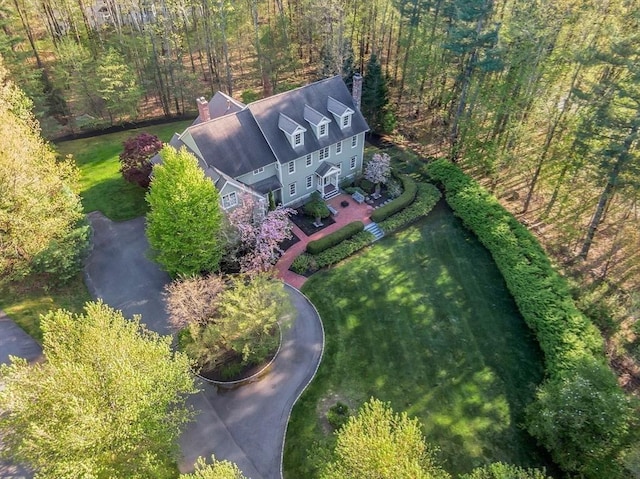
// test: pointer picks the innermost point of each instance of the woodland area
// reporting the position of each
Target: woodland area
(540, 100)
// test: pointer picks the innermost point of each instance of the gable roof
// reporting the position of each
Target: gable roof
(221, 104)
(233, 144)
(292, 104)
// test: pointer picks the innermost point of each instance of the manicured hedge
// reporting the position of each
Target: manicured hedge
(426, 198)
(343, 250)
(346, 232)
(542, 295)
(401, 202)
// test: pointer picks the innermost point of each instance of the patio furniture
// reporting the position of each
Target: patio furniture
(358, 197)
(334, 211)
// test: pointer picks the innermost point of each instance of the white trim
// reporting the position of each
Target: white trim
(298, 139)
(291, 167)
(353, 163)
(354, 141)
(258, 171)
(231, 200)
(309, 182)
(324, 153)
(309, 159)
(323, 130)
(293, 189)
(338, 147)
(345, 121)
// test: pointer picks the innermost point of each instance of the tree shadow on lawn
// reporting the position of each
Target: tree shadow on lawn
(424, 320)
(116, 199)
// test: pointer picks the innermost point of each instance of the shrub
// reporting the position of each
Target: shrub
(404, 200)
(249, 96)
(351, 190)
(426, 198)
(344, 250)
(316, 207)
(346, 232)
(394, 188)
(338, 415)
(135, 164)
(303, 264)
(366, 186)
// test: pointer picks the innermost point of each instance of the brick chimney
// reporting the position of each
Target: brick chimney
(203, 109)
(356, 89)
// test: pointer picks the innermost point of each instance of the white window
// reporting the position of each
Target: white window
(339, 165)
(346, 121)
(229, 200)
(309, 182)
(353, 162)
(323, 154)
(297, 139)
(322, 130)
(292, 167)
(309, 159)
(354, 141)
(292, 189)
(258, 171)
(338, 148)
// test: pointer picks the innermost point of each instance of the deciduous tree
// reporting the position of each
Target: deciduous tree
(378, 169)
(135, 160)
(183, 224)
(107, 402)
(499, 470)
(41, 218)
(380, 444)
(215, 470)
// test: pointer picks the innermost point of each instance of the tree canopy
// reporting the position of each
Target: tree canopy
(215, 470)
(41, 218)
(185, 217)
(109, 400)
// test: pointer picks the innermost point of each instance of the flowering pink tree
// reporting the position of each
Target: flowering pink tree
(260, 234)
(378, 169)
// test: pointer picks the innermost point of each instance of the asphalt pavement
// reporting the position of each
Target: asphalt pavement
(246, 425)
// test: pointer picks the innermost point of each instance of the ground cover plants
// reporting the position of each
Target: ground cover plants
(423, 320)
(102, 187)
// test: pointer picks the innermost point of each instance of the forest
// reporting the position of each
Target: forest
(537, 99)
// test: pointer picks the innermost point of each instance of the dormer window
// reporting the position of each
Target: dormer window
(341, 112)
(318, 121)
(293, 130)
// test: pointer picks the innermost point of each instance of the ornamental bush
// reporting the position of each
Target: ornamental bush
(405, 199)
(346, 232)
(345, 249)
(426, 198)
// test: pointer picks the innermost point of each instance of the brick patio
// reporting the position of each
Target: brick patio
(353, 212)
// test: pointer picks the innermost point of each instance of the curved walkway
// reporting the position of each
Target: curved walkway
(246, 425)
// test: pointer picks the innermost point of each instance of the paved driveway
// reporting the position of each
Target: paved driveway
(246, 425)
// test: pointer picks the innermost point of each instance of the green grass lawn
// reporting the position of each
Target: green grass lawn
(101, 185)
(423, 320)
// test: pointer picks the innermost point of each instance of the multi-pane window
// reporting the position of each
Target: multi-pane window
(354, 141)
(258, 171)
(309, 159)
(323, 154)
(292, 167)
(353, 162)
(229, 200)
(292, 189)
(338, 148)
(322, 130)
(297, 139)
(346, 121)
(309, 182)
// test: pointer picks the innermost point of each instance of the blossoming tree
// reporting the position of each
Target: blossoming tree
(378, 169)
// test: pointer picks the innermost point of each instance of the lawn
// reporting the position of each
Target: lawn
(101, 185)
(423, 320)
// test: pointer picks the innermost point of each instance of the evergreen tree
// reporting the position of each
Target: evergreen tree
(375, 95)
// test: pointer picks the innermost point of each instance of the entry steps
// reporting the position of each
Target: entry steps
(375, 230)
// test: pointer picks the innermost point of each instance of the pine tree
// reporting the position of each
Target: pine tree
(375, 95)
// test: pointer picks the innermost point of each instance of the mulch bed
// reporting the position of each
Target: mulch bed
(286, 244)
(305, 223)
(246, 372)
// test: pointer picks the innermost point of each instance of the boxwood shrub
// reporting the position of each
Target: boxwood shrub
(345, 249)
(401, 202)
(347, 231)
(426, 198)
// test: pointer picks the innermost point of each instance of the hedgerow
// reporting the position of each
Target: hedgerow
(401, 202)
(426, 198)
(584, 437)
(343, 250)
(542, 295)
(338, 236)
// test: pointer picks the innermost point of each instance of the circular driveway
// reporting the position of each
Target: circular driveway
(246, 425)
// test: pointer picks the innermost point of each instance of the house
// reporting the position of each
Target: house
(288, 145)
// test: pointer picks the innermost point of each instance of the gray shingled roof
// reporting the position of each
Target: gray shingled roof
(337, 108)
(268, 184)
(291, 103)
(313, 116)
(233, 144)
(287, 125)
(221, 105)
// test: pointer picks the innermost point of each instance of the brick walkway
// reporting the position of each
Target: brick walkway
(354, 212)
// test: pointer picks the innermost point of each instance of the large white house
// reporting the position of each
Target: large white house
(290, 145)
